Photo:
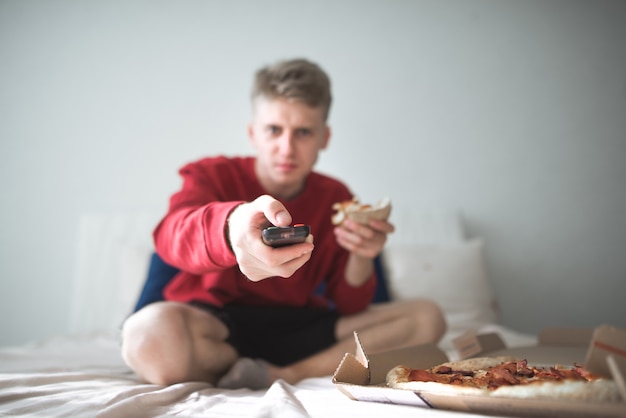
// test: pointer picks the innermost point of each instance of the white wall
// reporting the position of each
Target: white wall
(512, 112)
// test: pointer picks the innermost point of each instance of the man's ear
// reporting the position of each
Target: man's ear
(251, 136)
(327, 135)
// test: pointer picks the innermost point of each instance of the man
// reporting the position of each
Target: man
(241, 313)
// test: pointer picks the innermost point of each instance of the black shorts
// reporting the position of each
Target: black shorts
(279, 335)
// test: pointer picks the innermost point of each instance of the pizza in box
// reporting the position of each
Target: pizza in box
(506, 377)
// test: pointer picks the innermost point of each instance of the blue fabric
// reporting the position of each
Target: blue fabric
(382, 292)
(160, 273)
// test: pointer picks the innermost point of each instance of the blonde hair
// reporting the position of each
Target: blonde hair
(298, 79)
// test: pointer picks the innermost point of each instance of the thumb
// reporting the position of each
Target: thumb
(274, 211)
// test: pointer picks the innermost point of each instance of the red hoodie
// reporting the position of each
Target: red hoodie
(191, 238)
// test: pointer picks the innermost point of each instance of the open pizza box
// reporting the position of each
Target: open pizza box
(602, 350)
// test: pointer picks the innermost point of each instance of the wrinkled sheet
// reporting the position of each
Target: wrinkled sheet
(84, 376)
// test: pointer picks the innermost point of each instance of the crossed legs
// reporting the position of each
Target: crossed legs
(169, 342)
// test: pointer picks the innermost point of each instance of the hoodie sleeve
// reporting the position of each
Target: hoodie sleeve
(192, 235)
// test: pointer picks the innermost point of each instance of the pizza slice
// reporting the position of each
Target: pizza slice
(360, 212)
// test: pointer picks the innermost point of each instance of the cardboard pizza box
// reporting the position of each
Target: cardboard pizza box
(361, 377)
(555, 346)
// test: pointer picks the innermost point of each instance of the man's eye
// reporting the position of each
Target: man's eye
(274, 130)
(304, 132)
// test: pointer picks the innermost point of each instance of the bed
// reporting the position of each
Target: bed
(81, 373)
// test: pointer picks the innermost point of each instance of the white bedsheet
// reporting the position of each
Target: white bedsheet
(84, 376)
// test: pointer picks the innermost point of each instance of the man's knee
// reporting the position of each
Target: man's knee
(155, 343)
(430, 319)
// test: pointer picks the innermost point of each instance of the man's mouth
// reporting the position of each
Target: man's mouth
(284, 167)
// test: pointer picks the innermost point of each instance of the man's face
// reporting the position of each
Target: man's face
(287, 136)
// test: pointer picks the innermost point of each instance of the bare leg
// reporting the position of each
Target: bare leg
(170, 342)
(381, 327)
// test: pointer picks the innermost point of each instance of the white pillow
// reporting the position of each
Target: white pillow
(112, 260)
(452, 275)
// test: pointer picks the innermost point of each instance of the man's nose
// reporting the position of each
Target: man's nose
(286, 142)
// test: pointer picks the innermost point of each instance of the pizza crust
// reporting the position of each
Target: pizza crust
(601, 390)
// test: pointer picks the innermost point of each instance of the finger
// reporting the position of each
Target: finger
(348, 236)
(272, 262)
(289, 268)
(274, 256)
(359, 244)
(284, 261)
(362, 230)
(274, 211)
(283, 255)
(358, 249)
(353, 247)
(382, 226)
